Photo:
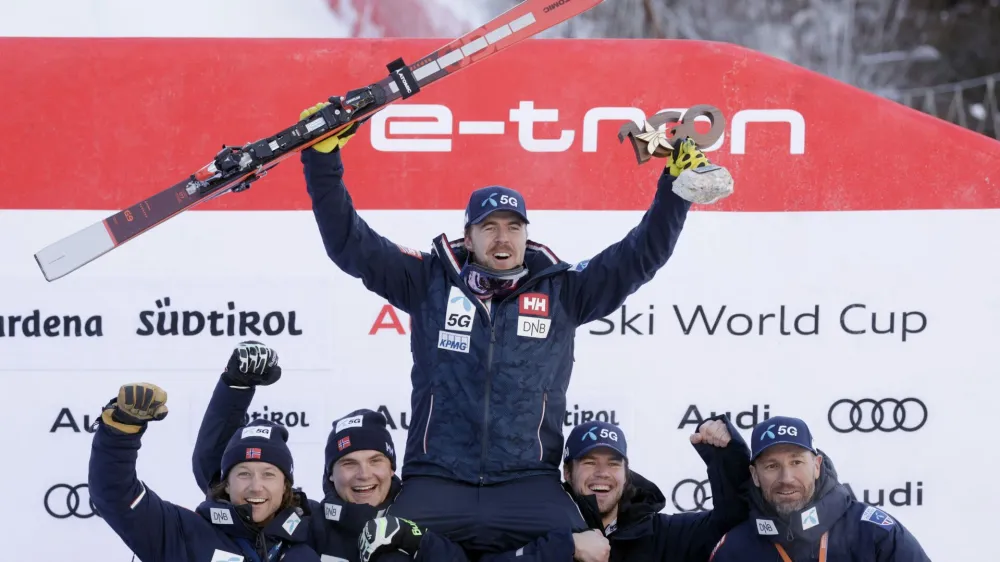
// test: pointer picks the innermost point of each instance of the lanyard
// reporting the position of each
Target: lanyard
(822, 549)
(252, 554)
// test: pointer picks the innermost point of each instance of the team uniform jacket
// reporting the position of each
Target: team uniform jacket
(159, 531)
(489, 379)
(642, 533)
(855, 531)
(335, 524)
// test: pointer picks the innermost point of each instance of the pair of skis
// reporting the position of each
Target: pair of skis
(234, 168)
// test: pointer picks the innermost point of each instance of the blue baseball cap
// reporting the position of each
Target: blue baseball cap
(486, 200)
(778, 430)
(591, 435)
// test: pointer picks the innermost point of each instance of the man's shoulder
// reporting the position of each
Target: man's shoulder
(870, 519)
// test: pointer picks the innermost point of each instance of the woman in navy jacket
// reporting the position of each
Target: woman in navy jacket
(252, 515)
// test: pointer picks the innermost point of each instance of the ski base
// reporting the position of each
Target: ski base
(234, 168)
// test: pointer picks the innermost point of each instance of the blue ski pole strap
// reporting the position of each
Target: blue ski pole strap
(405, 81)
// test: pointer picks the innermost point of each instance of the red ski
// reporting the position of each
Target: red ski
(235, 168)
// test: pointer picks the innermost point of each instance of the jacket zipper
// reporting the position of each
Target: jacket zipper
(541, 420)
(430, 412)
(262, 547)
(486, 403)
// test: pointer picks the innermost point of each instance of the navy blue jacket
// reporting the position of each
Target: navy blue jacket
(489, 384)
(857, 532)
(335, 524)
(159, 531)
(642, 533)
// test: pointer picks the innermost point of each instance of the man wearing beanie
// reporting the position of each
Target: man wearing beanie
(800, 511)
(359, 478)
(259, 441)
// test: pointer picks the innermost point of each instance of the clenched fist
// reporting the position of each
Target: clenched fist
(591, 546)
(136, 404)
(251, 364)
(713, 432)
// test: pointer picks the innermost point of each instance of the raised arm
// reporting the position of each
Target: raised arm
(148, 525)
(251, 363)
(692, 536)
(599, 286)
(397, 274)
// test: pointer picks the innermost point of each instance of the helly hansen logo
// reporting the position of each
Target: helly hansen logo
(535, 304)
(253, 453)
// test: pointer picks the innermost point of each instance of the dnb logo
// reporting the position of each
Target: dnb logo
(533, 321)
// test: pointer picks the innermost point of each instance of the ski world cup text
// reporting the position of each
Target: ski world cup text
(856, 319)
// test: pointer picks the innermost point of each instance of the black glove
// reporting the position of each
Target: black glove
(135, 405)
(251, 364)
(389, 534)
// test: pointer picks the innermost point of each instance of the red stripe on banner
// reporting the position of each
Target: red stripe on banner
(95, 123)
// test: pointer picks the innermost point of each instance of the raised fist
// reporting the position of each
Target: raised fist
(136, 404)
(251, 364)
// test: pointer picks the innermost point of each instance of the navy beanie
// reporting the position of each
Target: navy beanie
(361, 430)
(259, 441)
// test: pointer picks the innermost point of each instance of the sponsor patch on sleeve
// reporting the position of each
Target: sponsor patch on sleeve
(580, 266)
(878, 517)
(410, 252)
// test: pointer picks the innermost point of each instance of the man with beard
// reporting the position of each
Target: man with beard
(493, 317)
(622, 508)
(800, 511)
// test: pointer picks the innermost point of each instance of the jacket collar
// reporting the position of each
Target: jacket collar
(807, 525)
(352, 516)
(236, 521)
(538, 258)
(641, 502)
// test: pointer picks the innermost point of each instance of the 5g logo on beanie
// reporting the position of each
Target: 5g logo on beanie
(259, 441)
(360, 430)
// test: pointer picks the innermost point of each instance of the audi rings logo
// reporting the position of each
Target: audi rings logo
(691, 495)
(868, 415)
(63, 501)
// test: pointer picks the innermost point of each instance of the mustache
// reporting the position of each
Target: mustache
(502, 248)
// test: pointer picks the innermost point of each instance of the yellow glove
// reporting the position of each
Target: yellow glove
(137, 403)
(336, 141)
(685, 156)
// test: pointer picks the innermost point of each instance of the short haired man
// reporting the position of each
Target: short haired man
(621, 507)
(359, 479)
(800, 511)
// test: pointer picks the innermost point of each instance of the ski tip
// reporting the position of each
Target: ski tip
(74, 251)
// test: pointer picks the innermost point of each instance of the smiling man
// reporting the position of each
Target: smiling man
(623, 509)
(359, 477)
(800, 511)
(493, 321)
